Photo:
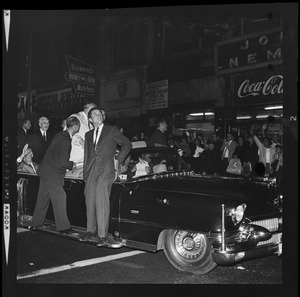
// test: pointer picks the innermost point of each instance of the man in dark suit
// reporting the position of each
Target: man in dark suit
(40, 140)
(159, 138)
(23, 135)
(99, 172)
(52, 171)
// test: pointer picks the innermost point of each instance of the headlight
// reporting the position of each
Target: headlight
(238, 213)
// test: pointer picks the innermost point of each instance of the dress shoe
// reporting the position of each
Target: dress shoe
(44, 226)
(101, 241)
(114, 242)
(69, 231)
(38, 227)
(88, 236)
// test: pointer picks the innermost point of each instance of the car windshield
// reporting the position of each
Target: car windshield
(146, 161)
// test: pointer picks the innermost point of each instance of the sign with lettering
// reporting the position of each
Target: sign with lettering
(6, 228)
(59, 102)
(258, 87)
(82, 75)
(157, 94)
(249, 52)
(22, 106)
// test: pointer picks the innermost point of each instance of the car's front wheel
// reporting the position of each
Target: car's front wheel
(188, 251)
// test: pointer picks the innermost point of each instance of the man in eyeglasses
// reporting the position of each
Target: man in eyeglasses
(40, 140)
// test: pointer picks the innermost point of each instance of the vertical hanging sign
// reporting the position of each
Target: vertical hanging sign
(82, 75)
(157, 94)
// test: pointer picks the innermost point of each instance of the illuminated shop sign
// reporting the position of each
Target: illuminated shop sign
(249, 52)
(58, 102)
(258, 87)
(82, 75)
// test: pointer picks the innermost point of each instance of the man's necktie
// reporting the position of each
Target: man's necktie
(95, 142)
(45, 137)
(224, 152)
(33, 167)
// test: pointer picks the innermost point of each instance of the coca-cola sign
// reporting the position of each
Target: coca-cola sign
(258, 87)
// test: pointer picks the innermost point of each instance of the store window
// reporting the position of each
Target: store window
(271, 114)
(201, 121)
(243, 115)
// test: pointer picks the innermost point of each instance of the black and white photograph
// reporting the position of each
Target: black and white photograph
(145, 146)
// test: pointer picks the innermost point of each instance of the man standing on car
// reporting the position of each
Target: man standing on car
(52, 172)
(77, 149)
(99, 172)
(23, 135)
(40, 140)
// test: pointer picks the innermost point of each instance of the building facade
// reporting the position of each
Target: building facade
(178, 76)
(195, 71)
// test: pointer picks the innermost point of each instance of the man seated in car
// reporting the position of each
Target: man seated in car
(147, 165)
(128, 168)
(143, 166)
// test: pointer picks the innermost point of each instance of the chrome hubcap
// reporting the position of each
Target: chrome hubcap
(190, 245)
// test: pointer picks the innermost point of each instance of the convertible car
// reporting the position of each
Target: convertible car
(199, 221)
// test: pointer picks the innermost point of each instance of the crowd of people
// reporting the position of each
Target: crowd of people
(89, 148)
(249, 155)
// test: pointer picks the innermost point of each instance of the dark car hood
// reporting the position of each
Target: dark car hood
(230, 191)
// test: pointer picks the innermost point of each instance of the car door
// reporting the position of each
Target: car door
(143, 212)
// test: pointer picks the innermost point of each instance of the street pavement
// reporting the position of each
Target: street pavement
(44, 258)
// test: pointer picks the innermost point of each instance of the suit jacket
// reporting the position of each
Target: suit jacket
(103, 156)
(157, 137)
(231, 148)
(56, 161)
(23, 167)
(251, 154)
(39, 146)
(22, 139)
(240, 151)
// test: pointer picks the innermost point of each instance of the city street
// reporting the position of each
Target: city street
(43, 258)
(170, 132)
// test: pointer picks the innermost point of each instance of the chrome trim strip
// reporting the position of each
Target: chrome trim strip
(223, 228)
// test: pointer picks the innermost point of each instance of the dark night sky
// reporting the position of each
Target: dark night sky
(76, 31)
